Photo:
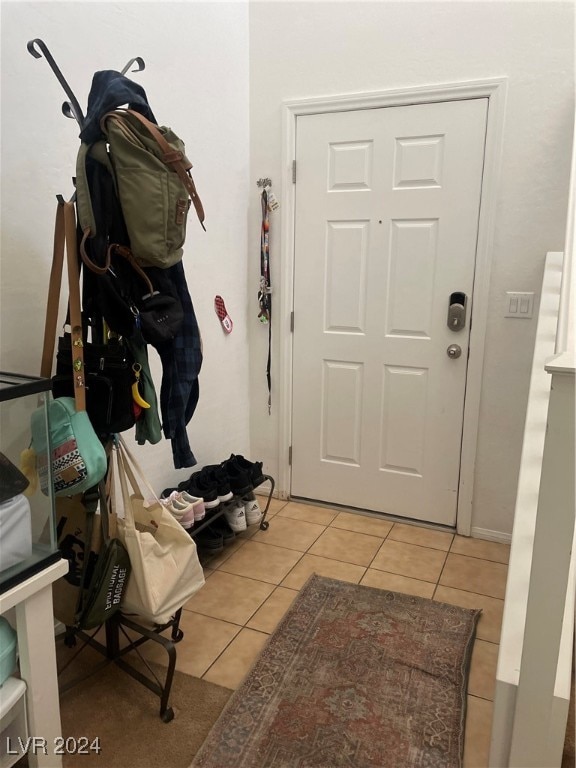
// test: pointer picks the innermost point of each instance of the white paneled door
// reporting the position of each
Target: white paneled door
(387, 208)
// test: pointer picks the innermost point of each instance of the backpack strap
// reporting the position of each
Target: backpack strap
(126, 253)
(74, 303)
(86, 217)
(54, 288)
(98, 152)
(170, 156)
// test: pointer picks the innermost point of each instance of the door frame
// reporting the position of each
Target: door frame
(494, 89)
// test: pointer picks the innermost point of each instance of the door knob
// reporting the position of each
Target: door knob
(454, 351)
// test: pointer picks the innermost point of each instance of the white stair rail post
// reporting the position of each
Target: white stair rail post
(538, 728)
(526, 508)
(566, 332)
(537, 737)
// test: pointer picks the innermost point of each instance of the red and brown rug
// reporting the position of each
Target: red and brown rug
(352, 676)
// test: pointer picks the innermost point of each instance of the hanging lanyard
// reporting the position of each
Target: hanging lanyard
(264, 298)
(265, 292)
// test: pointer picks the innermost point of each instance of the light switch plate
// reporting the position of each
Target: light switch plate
(519, 304)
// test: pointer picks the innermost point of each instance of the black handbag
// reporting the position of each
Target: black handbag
(109, 377)
(161, 317)
(125, 301)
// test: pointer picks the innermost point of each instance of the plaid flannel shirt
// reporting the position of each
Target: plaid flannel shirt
(181, 364)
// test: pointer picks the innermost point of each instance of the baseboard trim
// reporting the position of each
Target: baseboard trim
(488, 535)
(264, 490)
(475, 533)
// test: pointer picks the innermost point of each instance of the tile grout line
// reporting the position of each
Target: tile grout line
(442, 569)
(378, 550)
(302, 555)
(469, 592)
(226, 648)
(441, 572)
(346, 562)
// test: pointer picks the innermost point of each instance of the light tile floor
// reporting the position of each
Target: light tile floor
(252, 583)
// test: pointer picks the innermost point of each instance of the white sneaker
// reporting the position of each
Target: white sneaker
(186, 509)
(199, 507)
(235, 515)
(251, 509)
(183, 513)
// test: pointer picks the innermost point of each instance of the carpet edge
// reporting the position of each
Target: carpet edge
(236, 692)
(466, 664)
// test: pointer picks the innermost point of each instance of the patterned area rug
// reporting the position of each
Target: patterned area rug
(352, 676)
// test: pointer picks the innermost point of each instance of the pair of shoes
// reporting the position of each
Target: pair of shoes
(250, 471)
(186, 509)
(209, 540)
(252, 509)
(210, 483)
(235, 515)
(242, 512)
(191, 508)
(215, 535)
(237, 479)
(220, 526)
(220, 483)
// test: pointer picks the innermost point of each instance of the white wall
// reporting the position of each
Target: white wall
(300, 50)
(196, 79)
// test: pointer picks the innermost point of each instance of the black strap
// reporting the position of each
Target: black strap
(90, 502)
(268, 376)
(265, 292)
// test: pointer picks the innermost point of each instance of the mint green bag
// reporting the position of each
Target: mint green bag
(76, 454)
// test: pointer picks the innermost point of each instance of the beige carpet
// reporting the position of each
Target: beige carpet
(125, 716)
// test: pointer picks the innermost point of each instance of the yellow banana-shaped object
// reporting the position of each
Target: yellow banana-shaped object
(28, 469)
(136, 396)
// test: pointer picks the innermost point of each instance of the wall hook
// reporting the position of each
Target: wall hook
(139, 61)
(67, 107)
(264, 183)
(71, 108)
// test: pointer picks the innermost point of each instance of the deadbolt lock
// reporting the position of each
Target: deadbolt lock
(456, 320)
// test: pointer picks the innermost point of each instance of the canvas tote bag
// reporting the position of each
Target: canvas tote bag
(166, 571)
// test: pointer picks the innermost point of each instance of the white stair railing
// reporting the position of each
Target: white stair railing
(533, 687)
(523, 535)
(540, 715)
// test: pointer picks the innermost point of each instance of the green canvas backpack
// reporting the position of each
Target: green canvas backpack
(152, 178)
